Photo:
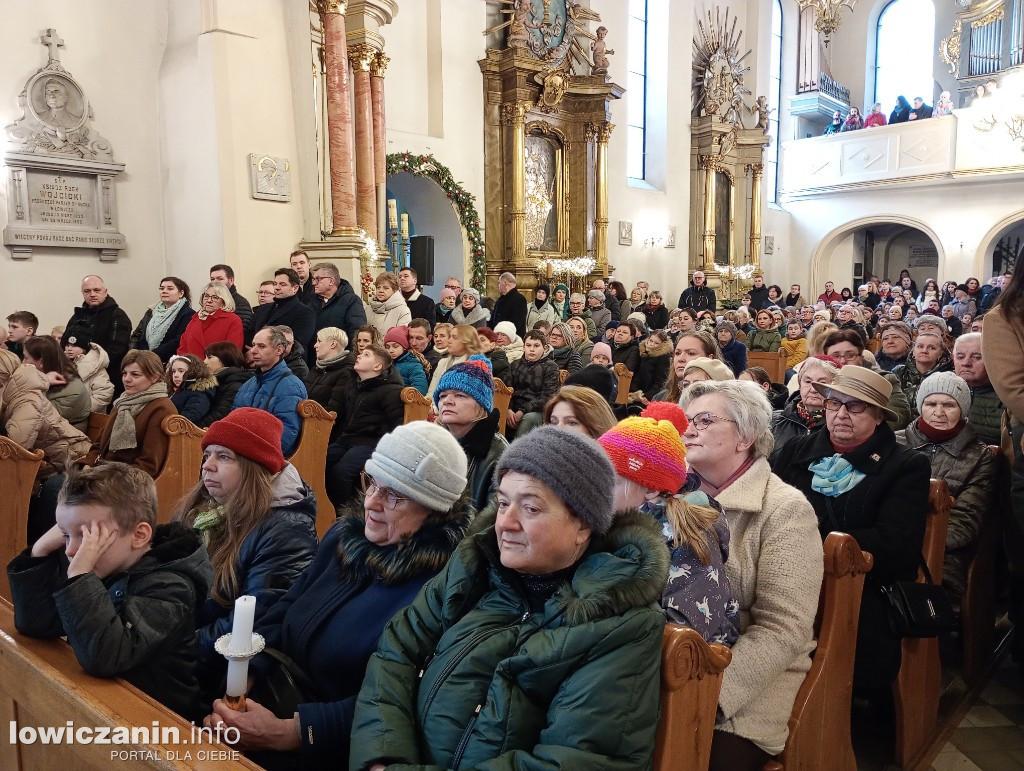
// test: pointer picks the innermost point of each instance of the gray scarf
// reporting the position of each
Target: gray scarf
(160, 322)
(325, 363)
(126, 408)
(479, 313)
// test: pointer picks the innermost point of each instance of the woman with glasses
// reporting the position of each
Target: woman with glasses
(371, 564)
(216, 322)
(862, 482)
(804, 410)
(538, 645)
(163, 324)
(847, 347)
(774, 568)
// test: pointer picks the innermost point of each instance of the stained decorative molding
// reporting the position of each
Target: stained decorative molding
(949, 48)
(379, 64)
(994, 15)
(361, 56)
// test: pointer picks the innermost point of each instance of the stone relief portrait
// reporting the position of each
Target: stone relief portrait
(57, 102)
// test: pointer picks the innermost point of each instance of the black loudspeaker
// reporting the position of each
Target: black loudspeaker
(421, 259)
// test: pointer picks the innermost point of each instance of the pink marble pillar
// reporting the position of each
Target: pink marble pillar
(361, 56)
(380, 63)
(339, 119)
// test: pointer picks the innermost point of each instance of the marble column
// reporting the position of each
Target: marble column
(380, 174)
(756, 172)
(513, 118)
(339, 119)
(711, 164)
(604, 133)
(361, 56)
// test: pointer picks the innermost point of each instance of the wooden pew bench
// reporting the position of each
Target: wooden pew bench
(691, 679)
(625, 380)
(310, 457)
(181, 468)
(43, 685)
(773, 363)
(502, 398)
(18, 469)
(819, 726)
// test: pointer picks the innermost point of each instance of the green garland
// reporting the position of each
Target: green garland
(463, 200)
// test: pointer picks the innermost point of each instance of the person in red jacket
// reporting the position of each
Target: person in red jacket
(215, 323)
(830, 295)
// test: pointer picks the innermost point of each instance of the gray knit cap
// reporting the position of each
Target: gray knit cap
(572, 466)
(423, 461)
(947, 383)
(931, 318)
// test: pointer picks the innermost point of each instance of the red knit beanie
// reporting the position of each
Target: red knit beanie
(398, 335)
(253, 434)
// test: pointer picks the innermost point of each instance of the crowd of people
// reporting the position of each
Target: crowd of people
(505, 585)
(902, 112)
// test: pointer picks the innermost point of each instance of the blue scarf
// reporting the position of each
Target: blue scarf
(834, 476)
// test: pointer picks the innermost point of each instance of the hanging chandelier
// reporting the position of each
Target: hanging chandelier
(827, 14)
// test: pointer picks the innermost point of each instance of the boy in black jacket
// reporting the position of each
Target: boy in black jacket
(122, 589)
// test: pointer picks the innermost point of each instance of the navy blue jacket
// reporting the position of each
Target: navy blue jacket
(271, 559)
(329, 622)
(278, 392)
(194, 400)
(344, 311)
(735, 355)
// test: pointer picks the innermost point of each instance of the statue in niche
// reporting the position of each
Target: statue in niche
(601, 53)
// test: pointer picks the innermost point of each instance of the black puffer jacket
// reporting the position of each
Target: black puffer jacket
(535, 382)
(138, 624)
(499, 364)
(331, 386)
(195, 399)
(108, 327)
(375, 409)
(289, 312)
(270, 560)
(653, 371)
(344, 310)
(567, 358)
(484, 446)
(628, 355)
(657, 316)
(788, 424)
(229, 380)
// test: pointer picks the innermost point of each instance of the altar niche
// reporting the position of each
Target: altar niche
(60, 170)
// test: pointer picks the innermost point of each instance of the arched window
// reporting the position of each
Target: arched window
(636, 90)
(771, 164)
(904, 49)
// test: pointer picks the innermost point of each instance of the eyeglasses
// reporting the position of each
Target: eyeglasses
(318, 279)
(702, 420)
(213, 297)
(854, 407)
(369, 486)
(262, 292)
(454, 287)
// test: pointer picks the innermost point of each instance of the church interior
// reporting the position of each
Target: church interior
(559, 141)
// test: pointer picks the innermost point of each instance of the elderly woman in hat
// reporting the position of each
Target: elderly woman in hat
(372, 563)
(958, 457)
(774, 568)
(540, 642)
(470, 311)
(896, 342)
(862, 482)
(464, 402)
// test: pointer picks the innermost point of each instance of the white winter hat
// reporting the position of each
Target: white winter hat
(422, 461)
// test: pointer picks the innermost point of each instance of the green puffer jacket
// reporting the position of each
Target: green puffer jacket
(986, 414)
(466, 677)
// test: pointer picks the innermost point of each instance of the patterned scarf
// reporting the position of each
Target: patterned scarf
(812, 418)
(160, 322)
(834, 476)
(208, 521)
(126, 409)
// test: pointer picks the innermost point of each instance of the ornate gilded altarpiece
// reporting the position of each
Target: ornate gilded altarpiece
(546, 131)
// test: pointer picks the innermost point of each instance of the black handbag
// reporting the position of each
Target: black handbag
(284, 687)
(919, 610)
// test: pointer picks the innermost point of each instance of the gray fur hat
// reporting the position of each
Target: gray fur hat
(572, 466)
(947, 383)
(422, 461)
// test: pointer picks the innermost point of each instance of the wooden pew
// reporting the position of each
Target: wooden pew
(819, 726)
(310, 457)
(625, 380)
(774, 363)
(563, 374)
(18, 469)
(918, 685)
(691, 679)
(977, 606)
(181, 468)
(874, 344)
(417, 406)
(43, 685)
(502, 398)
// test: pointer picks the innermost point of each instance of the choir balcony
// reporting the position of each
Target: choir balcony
(986, 139)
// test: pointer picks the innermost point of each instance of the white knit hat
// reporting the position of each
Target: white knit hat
(422, 461)
(947, 383)
(506, 328)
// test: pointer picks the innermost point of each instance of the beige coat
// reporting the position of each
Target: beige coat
(32, 421)
(92, 368)
(393, 312)
(775, 567)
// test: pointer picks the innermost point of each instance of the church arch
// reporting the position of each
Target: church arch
(1011, 223)
(821, 259)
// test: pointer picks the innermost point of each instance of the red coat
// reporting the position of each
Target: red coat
(220, 326)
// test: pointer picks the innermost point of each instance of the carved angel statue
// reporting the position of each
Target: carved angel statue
(601, 53)
(762, 111)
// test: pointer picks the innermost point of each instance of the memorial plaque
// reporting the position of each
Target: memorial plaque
(61, 171)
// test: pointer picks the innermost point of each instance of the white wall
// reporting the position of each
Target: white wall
(113, 49)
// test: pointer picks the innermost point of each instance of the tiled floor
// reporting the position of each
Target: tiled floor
(991, 736)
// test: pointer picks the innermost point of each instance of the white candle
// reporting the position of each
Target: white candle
(392, 213)
(405, 225)
(238, 676)
(241, 628)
